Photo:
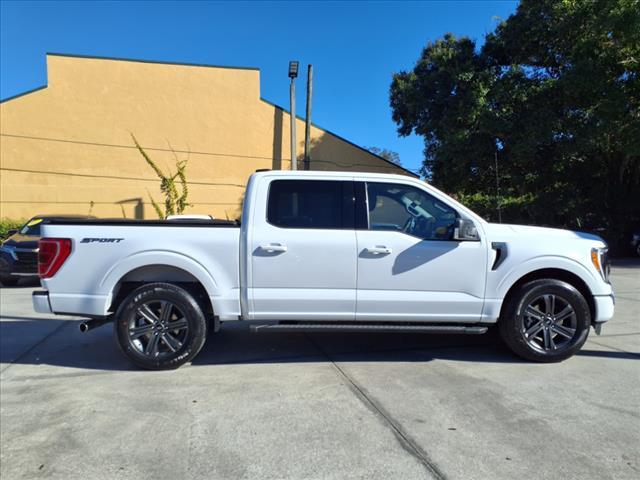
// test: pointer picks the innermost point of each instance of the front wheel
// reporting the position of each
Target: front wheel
(545, 320)
(160, 326)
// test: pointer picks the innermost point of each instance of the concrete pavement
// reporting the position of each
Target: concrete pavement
(318, 406)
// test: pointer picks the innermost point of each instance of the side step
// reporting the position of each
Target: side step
(369, 327)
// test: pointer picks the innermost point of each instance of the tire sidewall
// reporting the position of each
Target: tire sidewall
(182, 299)
(512, 322)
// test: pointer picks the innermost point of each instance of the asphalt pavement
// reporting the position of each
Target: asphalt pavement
(318, 406)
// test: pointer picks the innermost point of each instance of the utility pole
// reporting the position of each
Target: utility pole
(307, 127)
(293, 73)
(495, 157)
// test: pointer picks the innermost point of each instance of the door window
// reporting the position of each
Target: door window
(403, 208)
(315, 204)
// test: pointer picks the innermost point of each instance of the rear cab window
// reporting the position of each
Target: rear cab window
(311, 204)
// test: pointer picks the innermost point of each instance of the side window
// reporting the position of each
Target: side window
(317, 204)
(402, 208)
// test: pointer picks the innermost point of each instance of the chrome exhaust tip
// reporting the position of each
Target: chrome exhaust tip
(94, 323)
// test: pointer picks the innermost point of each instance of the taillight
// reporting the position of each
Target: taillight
(52, 253)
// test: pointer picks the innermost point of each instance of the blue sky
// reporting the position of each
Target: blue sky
(355, 47)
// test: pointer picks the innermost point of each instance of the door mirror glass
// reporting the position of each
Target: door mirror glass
(465, 230)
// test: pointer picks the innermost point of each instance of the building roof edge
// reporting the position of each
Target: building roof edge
(413, 174)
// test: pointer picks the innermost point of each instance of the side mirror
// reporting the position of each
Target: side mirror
(12, 232)
(465, 230)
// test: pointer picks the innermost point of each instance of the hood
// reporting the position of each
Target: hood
(22, 241)
(501, 229)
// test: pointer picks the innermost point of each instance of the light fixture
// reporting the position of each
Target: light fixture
(293, 69)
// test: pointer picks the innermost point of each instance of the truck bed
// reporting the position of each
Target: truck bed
(107, 252)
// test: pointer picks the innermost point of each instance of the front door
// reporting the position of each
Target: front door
(303, 251)
(409, 266)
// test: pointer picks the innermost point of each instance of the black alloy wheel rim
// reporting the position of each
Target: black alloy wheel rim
(549, 323)
(158, 329)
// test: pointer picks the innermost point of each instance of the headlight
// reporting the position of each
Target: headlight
(11, 250)
(600, 260)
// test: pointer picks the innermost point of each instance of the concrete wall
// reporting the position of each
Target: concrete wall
(68, 146)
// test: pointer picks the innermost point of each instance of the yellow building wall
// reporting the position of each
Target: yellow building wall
(67, 148)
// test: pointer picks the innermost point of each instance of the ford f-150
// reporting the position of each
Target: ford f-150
(327, 251)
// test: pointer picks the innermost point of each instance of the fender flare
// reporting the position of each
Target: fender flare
(542, 263)
(157, 257)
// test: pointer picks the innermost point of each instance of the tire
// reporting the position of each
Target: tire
(9, 281)
(545, 320)
(143, 326)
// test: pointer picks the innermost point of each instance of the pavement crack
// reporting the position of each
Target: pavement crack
(619, 335)
(405, 440)
(622, 297)
(634, 354)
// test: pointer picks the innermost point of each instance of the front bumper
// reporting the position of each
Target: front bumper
(604, 308)
(40, 299)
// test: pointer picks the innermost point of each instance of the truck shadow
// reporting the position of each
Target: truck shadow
(235, 344)
(30, 341)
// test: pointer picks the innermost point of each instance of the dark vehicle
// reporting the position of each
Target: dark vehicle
(19, 251)
(635, 242)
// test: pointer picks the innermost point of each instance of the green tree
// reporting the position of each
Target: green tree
(554, 96)
(174, 202)
(389, 155)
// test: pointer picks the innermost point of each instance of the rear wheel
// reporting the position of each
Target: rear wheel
(545, 320)
(160, 326)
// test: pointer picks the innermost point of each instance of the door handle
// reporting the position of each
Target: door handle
(378, 250)
(273, 248)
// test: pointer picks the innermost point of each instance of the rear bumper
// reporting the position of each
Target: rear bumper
(604, 308)
(40, 299)
(70, 304)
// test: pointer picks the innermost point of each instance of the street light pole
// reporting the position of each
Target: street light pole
(307, 128)
(293, 73)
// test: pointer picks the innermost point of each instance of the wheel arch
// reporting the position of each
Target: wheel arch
(168, 267)
(556, 274)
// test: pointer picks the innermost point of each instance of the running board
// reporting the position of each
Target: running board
(369, 327)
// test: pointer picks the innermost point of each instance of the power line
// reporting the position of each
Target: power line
(133, 147)
(216, 154)
(110, 203)
(114, 177)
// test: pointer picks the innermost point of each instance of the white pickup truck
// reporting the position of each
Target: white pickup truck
(327, 251)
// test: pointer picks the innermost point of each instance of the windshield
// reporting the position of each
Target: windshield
(32, 227)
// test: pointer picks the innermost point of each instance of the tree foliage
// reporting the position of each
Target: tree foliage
(554, 96)
(174, 202)
(389, 155)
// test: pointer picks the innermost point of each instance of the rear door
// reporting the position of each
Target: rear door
(303, 250)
